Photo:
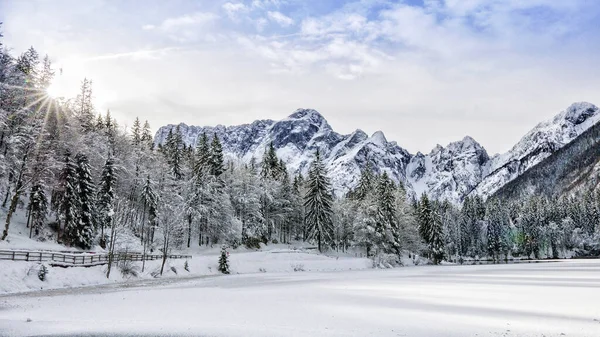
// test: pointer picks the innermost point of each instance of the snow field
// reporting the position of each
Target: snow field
(545, 299)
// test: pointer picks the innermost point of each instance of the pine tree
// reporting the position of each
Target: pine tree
(84, 233)
(146, 137)
(223, 261)
(270, 164)
(202, 164)
(106, 196)
(318, 203)
(386, 216)
(67, 199)
(431, 229)
(38, 207)
(136, 132)
(47, 73)
(216, 157)
(365, 184)
(84, 108)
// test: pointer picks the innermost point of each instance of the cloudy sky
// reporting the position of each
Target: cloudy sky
(423, 71)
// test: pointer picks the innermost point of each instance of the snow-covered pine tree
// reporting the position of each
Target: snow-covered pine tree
(387, 223)
(38, 208)
(66, 196)
(106, 196)
(84, 108)
(270, 164)
(136, 132)
(318, 203)
(47, 73)
(365, 184)
(216, 157)
(202, 163)
(223, 261)
(83, 236)
(146, 137)
(149, 203)
(497, 224)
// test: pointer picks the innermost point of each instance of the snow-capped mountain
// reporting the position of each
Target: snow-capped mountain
(537, 145)
(461, 168)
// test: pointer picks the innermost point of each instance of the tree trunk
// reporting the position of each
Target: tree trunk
(143, 223)
(189, 240)
(15, 199)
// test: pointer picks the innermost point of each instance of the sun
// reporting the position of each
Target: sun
(56, 90)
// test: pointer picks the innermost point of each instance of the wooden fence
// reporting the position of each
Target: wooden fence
(79, 259)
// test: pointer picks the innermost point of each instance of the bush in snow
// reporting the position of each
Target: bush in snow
(186, 266)
(298, 267)
(128, 268)
(173, 269)
(223, 261)
(42, 273)
(386, 261)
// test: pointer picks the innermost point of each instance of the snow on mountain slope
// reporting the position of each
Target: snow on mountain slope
(537, 145)
(448, 172)
(461, 168)
(296, 139)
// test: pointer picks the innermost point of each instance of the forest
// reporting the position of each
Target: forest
(83, 178)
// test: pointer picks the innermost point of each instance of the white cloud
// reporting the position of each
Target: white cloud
(280, 18)
(186, 28)
(233, 9)
(174, 23)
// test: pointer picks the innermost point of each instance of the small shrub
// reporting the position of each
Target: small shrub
(128, 269)
(275, 241)
(386, 261)
(253, 243)
(186, 266)
(298, 267)
(43, 273)
(173, 269)
(224, 261)
(262, 270)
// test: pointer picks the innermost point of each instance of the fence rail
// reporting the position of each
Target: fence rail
(80, 259)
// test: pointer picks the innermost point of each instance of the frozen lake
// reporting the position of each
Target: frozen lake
(545, 299)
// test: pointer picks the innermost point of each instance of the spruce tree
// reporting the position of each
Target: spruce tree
(84, 233)
(386, 215)
(38, 207)
(318, 203)
(223, 261)
(68, 203)
(270, 164)
(202, 159)
(146, 137)
(216, 157)
(106, 196)
(136, 132)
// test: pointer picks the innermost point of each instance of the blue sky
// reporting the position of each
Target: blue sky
(422, 71)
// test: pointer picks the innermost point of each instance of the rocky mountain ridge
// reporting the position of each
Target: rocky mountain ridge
(452, 172)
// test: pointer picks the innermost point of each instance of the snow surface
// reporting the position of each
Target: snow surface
(543, 299)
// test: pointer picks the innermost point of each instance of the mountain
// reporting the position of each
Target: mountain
(452, 172)
(575, 166)
(538, 144)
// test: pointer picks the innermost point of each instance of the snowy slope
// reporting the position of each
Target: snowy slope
(296, 139)
(537, 145)
(452, 172)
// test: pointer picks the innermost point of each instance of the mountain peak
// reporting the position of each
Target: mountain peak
(579, 112)
(311, 114)
(378, 138)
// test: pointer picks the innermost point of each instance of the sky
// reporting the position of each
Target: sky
(424, 72)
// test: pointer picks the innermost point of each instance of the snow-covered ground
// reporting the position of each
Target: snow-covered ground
(23, 276)
(543, 299)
